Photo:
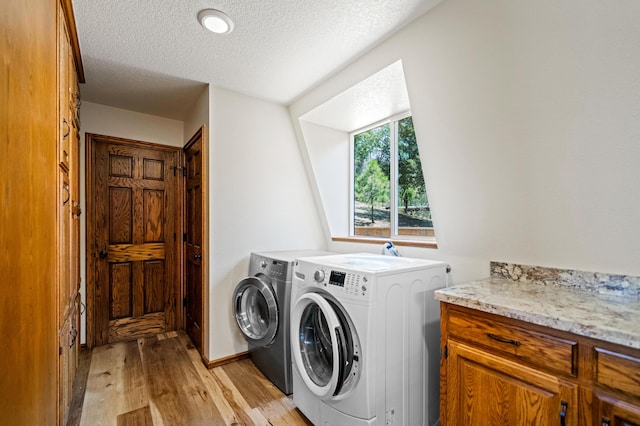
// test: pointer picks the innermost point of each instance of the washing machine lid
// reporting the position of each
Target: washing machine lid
(374, 263)
(323, 347)
(256, 311)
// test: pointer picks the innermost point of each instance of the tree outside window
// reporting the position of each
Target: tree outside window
(374, 214)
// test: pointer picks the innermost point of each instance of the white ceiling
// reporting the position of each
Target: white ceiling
(154, 57)
(380, 96)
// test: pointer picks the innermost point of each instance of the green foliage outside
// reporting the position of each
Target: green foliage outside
(372, 171)
(410, 178)
(372, 167)
(372, 186)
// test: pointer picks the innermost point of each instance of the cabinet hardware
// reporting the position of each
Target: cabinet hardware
(182, 170)
(65, 186)
(76, 211)
(74, 334)
(503, 339)
(606, 422)
(197, 256)
(564, 405)
(103, 254)
(68, 130)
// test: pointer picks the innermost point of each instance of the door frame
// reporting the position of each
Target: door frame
(203, 134)
(91, 248)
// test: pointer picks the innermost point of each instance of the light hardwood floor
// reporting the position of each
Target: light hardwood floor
(161, 380)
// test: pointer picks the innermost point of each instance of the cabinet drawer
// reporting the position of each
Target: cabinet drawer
(542, 350)
(617, 371)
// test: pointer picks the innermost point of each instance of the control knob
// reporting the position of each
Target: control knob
(318, 275)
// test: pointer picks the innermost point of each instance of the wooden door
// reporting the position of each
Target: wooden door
(484, 389)
(136, 213)
(194, 261)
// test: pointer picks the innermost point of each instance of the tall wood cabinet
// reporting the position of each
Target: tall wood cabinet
(68, 144)
(38, 253)
(501, 371)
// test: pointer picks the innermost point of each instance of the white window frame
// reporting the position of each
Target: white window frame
(393, 178)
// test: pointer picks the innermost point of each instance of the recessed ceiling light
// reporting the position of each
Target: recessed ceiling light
(215, 21)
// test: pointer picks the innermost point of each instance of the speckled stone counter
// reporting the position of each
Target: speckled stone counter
(600, 306)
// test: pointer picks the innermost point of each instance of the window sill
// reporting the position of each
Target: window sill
(370, 240)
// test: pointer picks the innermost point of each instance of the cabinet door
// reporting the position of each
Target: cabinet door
(64, 243)
(485, 389)
(74, 183)
(64, 48)
(68, 360)
(614, 412)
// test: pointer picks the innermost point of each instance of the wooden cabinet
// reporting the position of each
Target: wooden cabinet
(37, 229)
(499, 371)
(68, 214)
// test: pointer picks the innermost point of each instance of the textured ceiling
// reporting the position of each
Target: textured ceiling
(152, 56)
(378, 97)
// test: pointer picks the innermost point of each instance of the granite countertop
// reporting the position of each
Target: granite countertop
(560, 300)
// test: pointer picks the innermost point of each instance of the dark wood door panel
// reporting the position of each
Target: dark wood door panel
(137, 219)
(194, 257)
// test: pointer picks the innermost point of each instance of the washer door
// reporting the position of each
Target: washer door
(256, 311)
(322, 346)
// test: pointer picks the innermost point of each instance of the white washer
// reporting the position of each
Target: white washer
(365, 339)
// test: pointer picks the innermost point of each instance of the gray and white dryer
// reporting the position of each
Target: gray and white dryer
(261, 304)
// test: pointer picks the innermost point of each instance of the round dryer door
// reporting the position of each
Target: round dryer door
(256, 311)
(323, 346)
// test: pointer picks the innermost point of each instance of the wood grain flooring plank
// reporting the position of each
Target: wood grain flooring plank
(115, 384)
(263, 395)
(247, 414)
(227, 412)
(174, 385)
(79, 387)
(139, 417)
(283, 413)
(244, 375)
(161, 381)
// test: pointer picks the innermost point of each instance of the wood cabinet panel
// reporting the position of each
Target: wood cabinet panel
(68, 360)
(64, 243)
(610, 411)
(538, 349)
(64, 120)
(68, 210)
(28, 217)
(485, 389)
(36, 231)
(617, 371)
(492, 382)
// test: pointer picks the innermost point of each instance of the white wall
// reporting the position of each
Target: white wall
(529, 116)
(197, 116)
(260, 200)
(329, 163)
(110, 121)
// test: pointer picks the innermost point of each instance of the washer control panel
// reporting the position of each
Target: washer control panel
(349, 282)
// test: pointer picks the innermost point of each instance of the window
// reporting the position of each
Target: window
(389, 196)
